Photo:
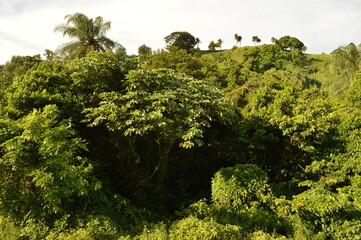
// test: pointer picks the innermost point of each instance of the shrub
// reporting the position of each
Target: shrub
(206, 229)
(240, 187)
(8, 230)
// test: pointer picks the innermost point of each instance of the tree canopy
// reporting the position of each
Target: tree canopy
(181, 40)
(290, 43)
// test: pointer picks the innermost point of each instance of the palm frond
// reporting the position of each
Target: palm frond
(90, 34)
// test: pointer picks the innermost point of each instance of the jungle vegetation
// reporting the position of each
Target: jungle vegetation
(254, 142)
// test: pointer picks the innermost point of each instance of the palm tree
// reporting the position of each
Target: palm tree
(219, 43)
(198, 41)
(89, 35)
(256, 39)
(274, 40)
(238, 39)
(259, 41)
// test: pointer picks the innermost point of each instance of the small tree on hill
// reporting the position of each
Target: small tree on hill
(219, 43)
(212, 46)
(144, 50)
(181, 40)
(288, 43)
(198, 41)
(238, 39)
(256, 39)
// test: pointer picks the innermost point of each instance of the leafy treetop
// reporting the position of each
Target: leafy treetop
(288, 43)
(90, 35)
(182, 40)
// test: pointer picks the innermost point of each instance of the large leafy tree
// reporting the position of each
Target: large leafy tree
(212, 46)
(89, 35)
(168, 107)
(41, 169)
(288, 43)
(17, 66)
(181, 40)
(144, 50)
(345, 60)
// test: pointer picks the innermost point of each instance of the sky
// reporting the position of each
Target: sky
(27, 26)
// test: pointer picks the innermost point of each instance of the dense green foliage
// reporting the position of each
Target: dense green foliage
(260, 142)
(181, 40)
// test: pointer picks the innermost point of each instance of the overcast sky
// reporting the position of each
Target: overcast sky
(27, 26)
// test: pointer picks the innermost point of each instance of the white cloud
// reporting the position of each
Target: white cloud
(19, 42)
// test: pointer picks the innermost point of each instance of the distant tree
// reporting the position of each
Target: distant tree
(259, 41)
(181, 40)
(345, 60)
(16, 67)
(49, 55)
(212, 46)
(144, 50)
(19, 65)
(198, 41)
(274, 40)
(288, 43)
(120, 51)
(353, 53)
(219, 43)
(238, 39)
(256, 39)
(89, 35)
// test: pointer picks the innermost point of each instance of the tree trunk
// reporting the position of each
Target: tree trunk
(161, 168)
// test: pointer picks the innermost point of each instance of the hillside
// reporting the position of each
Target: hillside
(256, 142)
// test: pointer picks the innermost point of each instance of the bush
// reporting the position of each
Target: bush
(240, 187)
(206, 229)
(316, 210)
(97, 228)
(260, 235)
(156, 232)
(8, 230)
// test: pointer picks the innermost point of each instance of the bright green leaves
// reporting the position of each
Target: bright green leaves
(240, 187)
(180, 61)
(41, 169)
(174, 106)
(319, 203)
(97, 73)
(322, 213)
(71, 86)
(207, 229)
(353, 95)
(241, 198)
(288, 43)
(46, 84)
(165, 109)
(308, 125)
(345, 60)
